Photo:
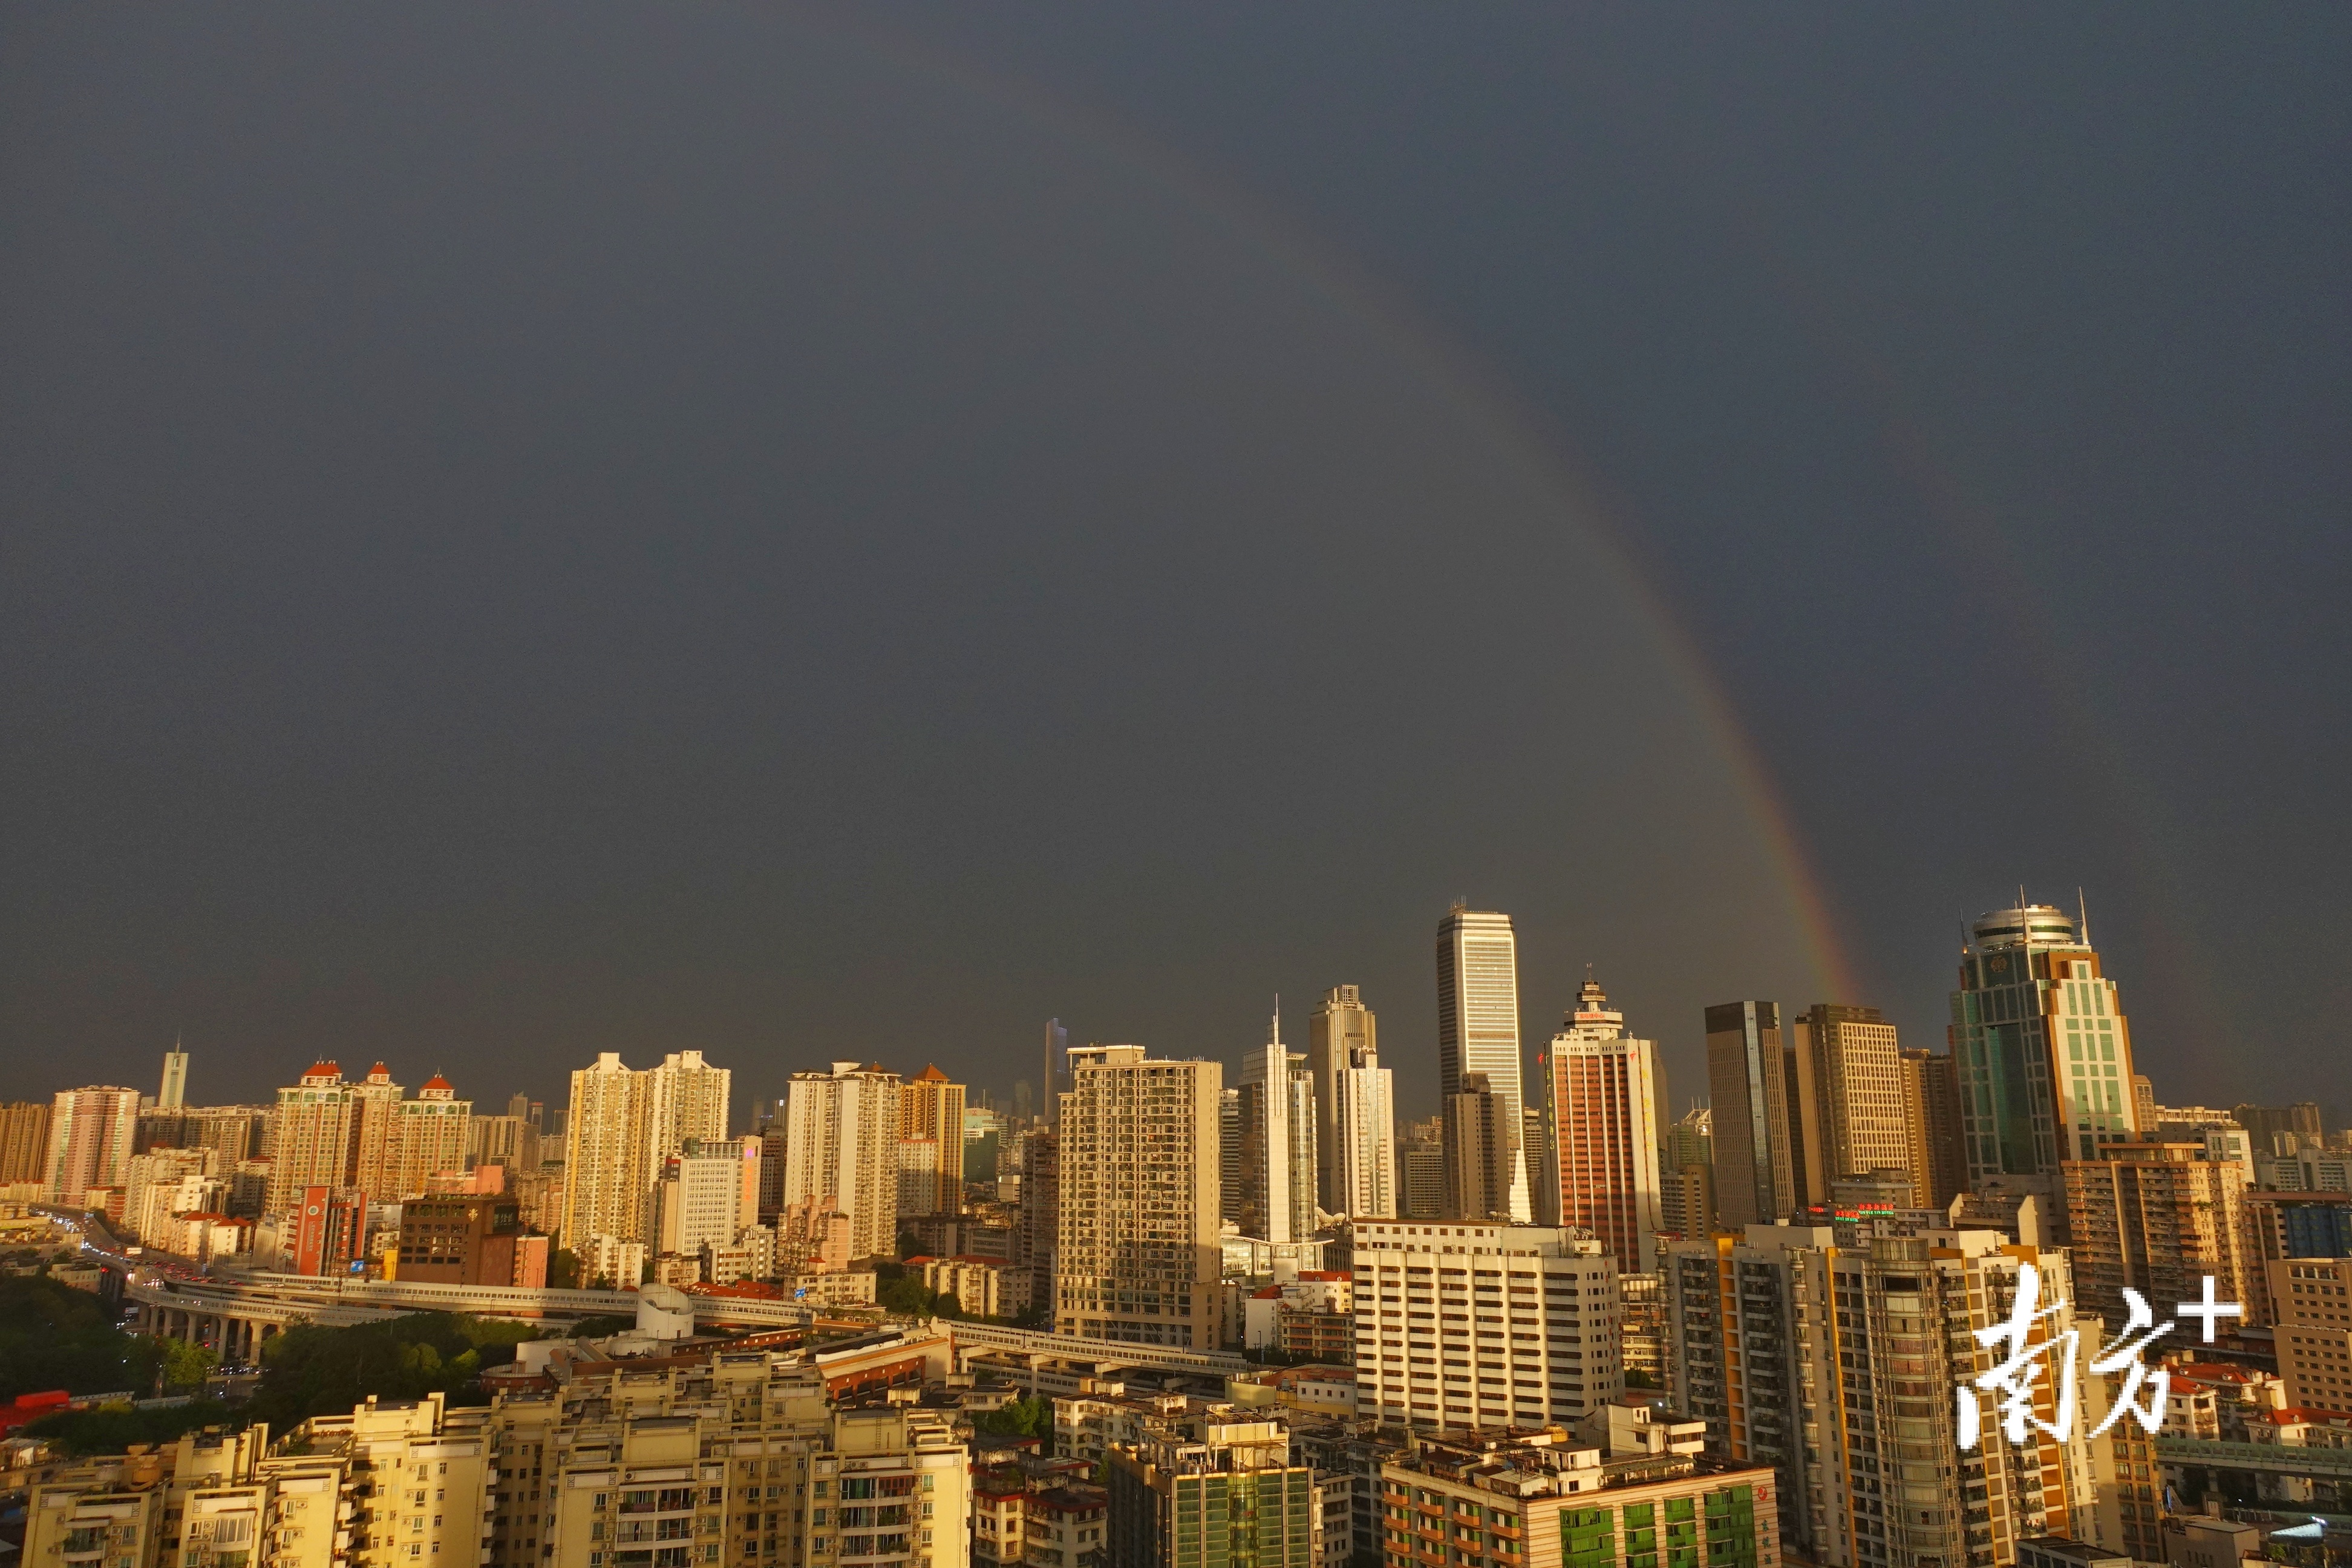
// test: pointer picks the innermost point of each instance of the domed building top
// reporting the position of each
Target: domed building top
(325, 1069)
(931, 1074)
(379, 1074)
(437, 1088)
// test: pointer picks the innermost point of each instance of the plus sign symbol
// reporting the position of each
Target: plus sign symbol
(2209, 1310)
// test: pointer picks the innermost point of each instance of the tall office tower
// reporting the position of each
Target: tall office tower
(2157, 1217)
(841, 1149)
(1837, 1366)
(1364, 1171)
(2043, 1052)
(1600, 1104)
(1210, 1492)
(1138, 1258)
(1479, 1152)
(431, 1132)
(1686, 1200)
(1037, 1231)
(1849, 1111)
(1057, 1073)
(1938, 1158)
(91, 1135)
(519, 1107)
(1229, 1154)
(1478, 1030)
(314, 1137)
(24, 1141)
(2143, 1103)
(173, 1094)
(1342, 1034)
(1755, 1152)
(1483, 1325)
(931, 1144)
(1355, 1109)
(1421, 1170)
(1277, 1113)
(1538, 1153)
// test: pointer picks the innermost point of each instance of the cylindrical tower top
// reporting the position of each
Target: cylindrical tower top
(2029, 925)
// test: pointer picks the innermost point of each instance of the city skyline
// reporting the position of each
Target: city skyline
(1682, 1055)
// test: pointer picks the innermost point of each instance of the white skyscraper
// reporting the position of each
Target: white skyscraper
(1478, 1024)
(841, 1149)
(1355, 1117)
(1278, 1126)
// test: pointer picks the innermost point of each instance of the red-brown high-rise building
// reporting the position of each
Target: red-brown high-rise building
(91, 1135)
(1601, 1110)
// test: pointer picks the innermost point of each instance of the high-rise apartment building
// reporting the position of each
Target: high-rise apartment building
(1850, 1112)
(173, 1092)
(931, 1144)
(1601, 1109)
(621, 1126)
(1938, 1157)
(1355, 1109)
(2268, 1125)
(1686, 1175)
(1837, 1367)
(1757, 1157)
(841, 1151)
(1215, 1492)
(2157, 1217)
(1483, 1325)
(430, 1134)
(314, 1129)
(25, 1141)
(1277, 1112)
(91, 1135)
(1421, 1170)
(1037, 1231)
(1478, 1030)
(1481, 1151)
(2312, 1298)
(1138, 1258)
(2042, 1049)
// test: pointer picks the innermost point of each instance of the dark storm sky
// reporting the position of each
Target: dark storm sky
(533, 531)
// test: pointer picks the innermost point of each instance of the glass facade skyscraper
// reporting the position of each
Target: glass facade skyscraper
(1479, 1026)
(2042, 1048)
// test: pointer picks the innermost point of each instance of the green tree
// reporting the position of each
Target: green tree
(52, 1336)
(185, 1366)
(907, 1295)
(310, 1371)
(563, 1270)
(111, 1428)
(1021, 1418)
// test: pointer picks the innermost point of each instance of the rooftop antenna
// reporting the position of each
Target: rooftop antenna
(2082, 918)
